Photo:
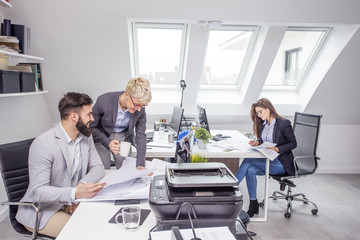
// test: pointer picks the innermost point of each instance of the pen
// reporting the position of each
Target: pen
(255, 139)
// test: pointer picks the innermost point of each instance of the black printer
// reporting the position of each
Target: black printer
(206, 192)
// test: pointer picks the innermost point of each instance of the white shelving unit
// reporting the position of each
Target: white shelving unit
(5, 4)
(22, 94)
(15, 58)
(21, 56)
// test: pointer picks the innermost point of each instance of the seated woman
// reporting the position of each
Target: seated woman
(268, 126)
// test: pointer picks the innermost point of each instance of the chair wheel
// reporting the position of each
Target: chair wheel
(287, 215)
(314, 211)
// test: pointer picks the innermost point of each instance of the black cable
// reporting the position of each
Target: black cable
(192, 225)
(249, 233)
(152, 230)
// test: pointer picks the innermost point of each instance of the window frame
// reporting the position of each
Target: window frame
(159, 25)
(310, 61)
(247, 58)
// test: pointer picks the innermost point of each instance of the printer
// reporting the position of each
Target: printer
(205, 193)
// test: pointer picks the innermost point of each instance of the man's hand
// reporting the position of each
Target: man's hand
(88, 190)
(114, 146)
(142, 168)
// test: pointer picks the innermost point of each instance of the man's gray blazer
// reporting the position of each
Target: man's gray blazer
(50, 171)
(105, 112)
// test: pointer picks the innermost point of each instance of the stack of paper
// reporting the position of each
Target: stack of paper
(128, 182)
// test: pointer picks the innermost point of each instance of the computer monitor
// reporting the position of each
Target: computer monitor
(175, 123)
(203, 118)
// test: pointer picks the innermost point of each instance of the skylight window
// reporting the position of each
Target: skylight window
(295, 56)
(228, 50)
(159, 51)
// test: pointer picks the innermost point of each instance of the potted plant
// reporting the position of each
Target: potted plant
(202, 137)
(197, 158)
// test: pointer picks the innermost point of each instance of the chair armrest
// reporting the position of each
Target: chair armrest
(35, 205)
(37, 210)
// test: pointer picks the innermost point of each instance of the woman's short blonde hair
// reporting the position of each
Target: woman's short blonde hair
(139, 88)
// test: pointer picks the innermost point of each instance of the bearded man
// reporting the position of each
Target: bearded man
(63, 166)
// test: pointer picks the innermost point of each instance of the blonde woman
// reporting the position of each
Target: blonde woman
(268, 126)
(116, 116)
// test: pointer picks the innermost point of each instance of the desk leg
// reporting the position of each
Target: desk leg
(266, 194)
(266, 198)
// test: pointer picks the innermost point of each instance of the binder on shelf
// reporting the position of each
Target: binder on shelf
(23, 34)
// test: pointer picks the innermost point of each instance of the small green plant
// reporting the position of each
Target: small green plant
(197, 158)
(203, 134)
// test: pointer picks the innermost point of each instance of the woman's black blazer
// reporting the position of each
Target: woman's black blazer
(285, 140)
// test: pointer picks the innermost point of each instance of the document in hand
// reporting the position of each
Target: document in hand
(124, 174)
(270, 154)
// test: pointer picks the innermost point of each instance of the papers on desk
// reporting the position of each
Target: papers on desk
(128, 182)
(214, 233)
(270, 154)
(241, 146)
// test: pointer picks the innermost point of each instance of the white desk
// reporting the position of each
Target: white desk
(213, 151)
(90, 221)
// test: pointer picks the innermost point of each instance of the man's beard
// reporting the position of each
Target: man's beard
(81, 126)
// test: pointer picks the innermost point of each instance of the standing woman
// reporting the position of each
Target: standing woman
(268, 126)
(120, 116)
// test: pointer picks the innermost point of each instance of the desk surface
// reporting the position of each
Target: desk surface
(212, 150)
(90, 221)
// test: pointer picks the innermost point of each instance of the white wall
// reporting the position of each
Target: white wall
(21, 118)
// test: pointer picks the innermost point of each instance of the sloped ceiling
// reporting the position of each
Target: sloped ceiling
(338, 95)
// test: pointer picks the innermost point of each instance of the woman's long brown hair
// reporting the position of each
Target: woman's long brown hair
(257, 122)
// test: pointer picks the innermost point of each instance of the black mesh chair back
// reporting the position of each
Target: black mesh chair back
(15, 174)
(306, 129)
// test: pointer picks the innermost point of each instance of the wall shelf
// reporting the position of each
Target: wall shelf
(21, 56)
(5, 4)
(21, 94)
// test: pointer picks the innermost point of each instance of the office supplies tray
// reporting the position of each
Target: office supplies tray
(199, 175)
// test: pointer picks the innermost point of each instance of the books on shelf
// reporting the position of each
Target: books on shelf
(9, 43)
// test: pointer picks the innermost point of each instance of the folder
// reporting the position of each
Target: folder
(23, 34)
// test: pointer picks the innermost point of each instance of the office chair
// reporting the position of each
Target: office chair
(306, 129)
(15, 174)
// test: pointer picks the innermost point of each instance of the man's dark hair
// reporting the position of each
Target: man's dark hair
(73, 102)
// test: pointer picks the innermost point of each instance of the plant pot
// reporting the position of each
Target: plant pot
(201, 144)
